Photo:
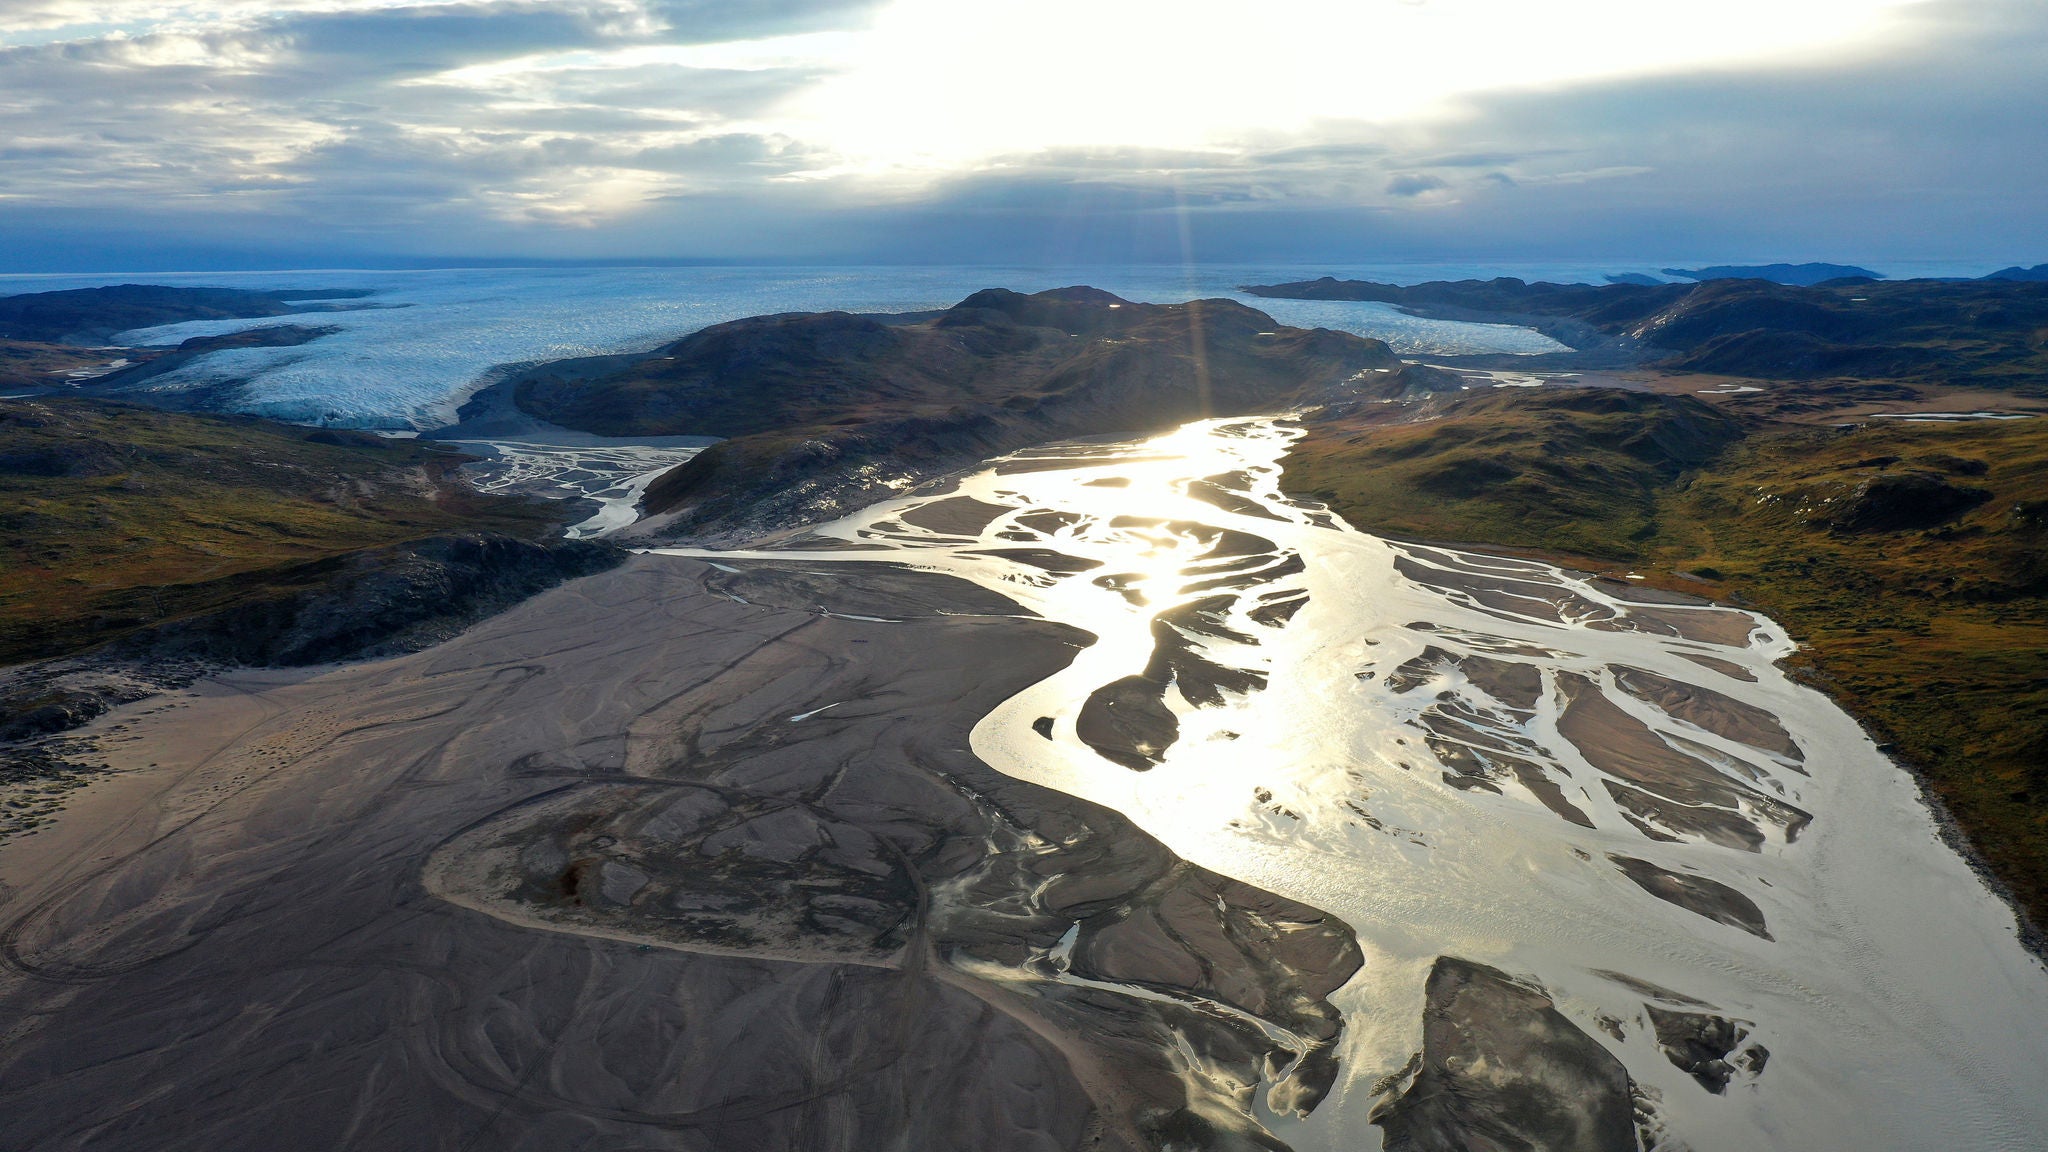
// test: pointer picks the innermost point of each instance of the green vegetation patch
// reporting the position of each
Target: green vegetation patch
(1574, 470)
(116, 517)
(1910, 559)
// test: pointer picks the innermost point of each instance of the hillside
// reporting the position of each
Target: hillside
(118, 519)
(44, 335)
(1574, 470)
(822, 410)
(1981, 333)
(1911, 560)
(95, 315)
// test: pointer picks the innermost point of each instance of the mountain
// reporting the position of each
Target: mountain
(96, 315)
(1803, 275)
(1980, 332)
(2038, 272)
(822, 408)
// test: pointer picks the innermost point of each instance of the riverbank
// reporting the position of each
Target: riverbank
(1904, 556)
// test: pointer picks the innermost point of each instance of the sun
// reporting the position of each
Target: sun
(942, 84)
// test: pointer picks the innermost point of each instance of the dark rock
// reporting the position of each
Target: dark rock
(1904, 501)
(24, 718)
(1127, 721)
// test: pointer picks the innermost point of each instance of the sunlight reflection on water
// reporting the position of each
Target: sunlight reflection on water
(1445, 750)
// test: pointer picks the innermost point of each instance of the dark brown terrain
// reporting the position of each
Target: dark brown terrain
(822, 411)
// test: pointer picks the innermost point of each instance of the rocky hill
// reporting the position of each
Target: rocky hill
(95, 315)
(120, 521)
(1986, 333)
(45, 336)
(823, 410)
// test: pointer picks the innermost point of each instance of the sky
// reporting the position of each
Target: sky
(210, 134)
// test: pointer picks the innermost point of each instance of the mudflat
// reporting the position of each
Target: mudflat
(483, 896)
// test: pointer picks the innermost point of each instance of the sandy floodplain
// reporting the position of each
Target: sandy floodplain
(748, 888)
(1105, 799)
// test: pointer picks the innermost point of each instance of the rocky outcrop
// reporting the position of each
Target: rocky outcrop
(1903, 501)
(1711, 1049)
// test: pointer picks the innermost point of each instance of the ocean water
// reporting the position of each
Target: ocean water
(437, 335)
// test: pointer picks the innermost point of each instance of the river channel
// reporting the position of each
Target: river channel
(1611, 794)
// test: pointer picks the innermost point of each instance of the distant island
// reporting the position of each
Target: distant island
(2038, 272)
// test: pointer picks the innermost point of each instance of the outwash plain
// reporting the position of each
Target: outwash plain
(1055, 722)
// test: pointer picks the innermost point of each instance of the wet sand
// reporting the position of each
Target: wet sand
(671, 857)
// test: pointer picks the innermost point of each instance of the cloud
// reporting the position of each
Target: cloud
(379, 130)
(1413, 184)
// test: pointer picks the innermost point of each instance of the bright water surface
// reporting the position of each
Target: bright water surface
(1386, 774)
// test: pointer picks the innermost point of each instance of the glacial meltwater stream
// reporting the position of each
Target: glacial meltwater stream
(1609, 794)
